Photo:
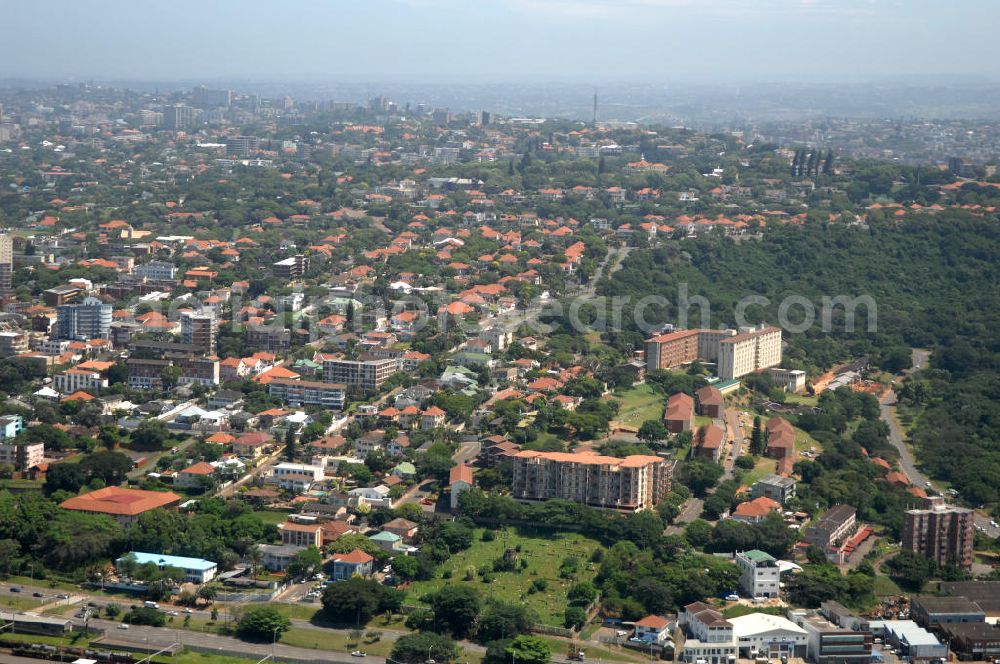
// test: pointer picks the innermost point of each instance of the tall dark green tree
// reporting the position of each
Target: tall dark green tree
(757, 443)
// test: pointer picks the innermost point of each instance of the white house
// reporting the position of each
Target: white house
(377, 496)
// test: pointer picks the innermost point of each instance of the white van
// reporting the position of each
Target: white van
(151, 605)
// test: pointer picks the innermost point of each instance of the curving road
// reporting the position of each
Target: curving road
(907, 462)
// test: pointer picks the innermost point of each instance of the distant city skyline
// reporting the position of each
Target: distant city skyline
(455, 41)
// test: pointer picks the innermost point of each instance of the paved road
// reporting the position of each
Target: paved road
(735, 436)
(907, 463)
(162, 636)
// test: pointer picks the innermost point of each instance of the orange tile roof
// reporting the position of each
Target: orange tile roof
(120, 502)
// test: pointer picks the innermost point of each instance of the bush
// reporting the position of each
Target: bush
(262, 622)
(145, 616)
(574, 617)
(488, 536)
(417, 648)
(745, 462)
(540, 584)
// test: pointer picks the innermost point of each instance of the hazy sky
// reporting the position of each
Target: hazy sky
(511, 40)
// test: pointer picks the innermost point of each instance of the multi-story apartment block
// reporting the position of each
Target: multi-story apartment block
(308, 392)
(22, 456)
(736, 352)
(271, 338)
(242, 146)
(178, 117)
(291, 268)
(156, 271)
(369, 374)
(200, 330)
(838, 522)
(943, 533)
(632, 483)
(73, 380)
(10, 426)
(6, 263)
(749, 351)
(759, 573)
(91, 319)
(301, 534)
(148, 361)
(13, 343)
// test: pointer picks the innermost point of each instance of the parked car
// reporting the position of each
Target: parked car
(358, 653)
(122, 626)
(188, 610)
(172, 613)
(15, 589)
(732, 598)
(62, 596)
(37, 594)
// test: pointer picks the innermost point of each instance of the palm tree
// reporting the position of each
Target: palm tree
(254, 557)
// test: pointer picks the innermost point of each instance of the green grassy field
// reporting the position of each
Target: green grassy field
(330, 640)
(884, 586)
(639, 404)
(544, 553)
(18, 602)
(273, 517)
(765, 466)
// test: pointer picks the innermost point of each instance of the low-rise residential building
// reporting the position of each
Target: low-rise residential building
(459, 480)
(355, 563)
(759, 573)
(195, 476)
(679, 414)
(301, 534)
(774, 487)
(196, 570)
(276, 557)
(125, 505)
(711, 403)
(838, 522)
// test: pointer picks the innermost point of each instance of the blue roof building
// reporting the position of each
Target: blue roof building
(195, 569)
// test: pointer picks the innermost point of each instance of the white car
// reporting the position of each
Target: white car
(123, 626)
(188, 611)
(732, 598)
(172, 613)
(358, 653)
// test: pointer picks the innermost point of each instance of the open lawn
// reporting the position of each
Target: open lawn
(544, 553)
(803, 442)
(330, 640)
(191, 657)
(21, 485)
(884, 586)
(79, 641)
(18, 601)
(273, 517)
(639, 404)
(765, 466)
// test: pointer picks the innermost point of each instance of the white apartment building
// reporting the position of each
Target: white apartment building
(759, 573)
(73, 380)
(750, 350)
(284, 469)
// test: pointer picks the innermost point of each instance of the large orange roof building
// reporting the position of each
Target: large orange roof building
(126, 505)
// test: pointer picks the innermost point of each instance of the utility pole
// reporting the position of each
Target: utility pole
(595, 107)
